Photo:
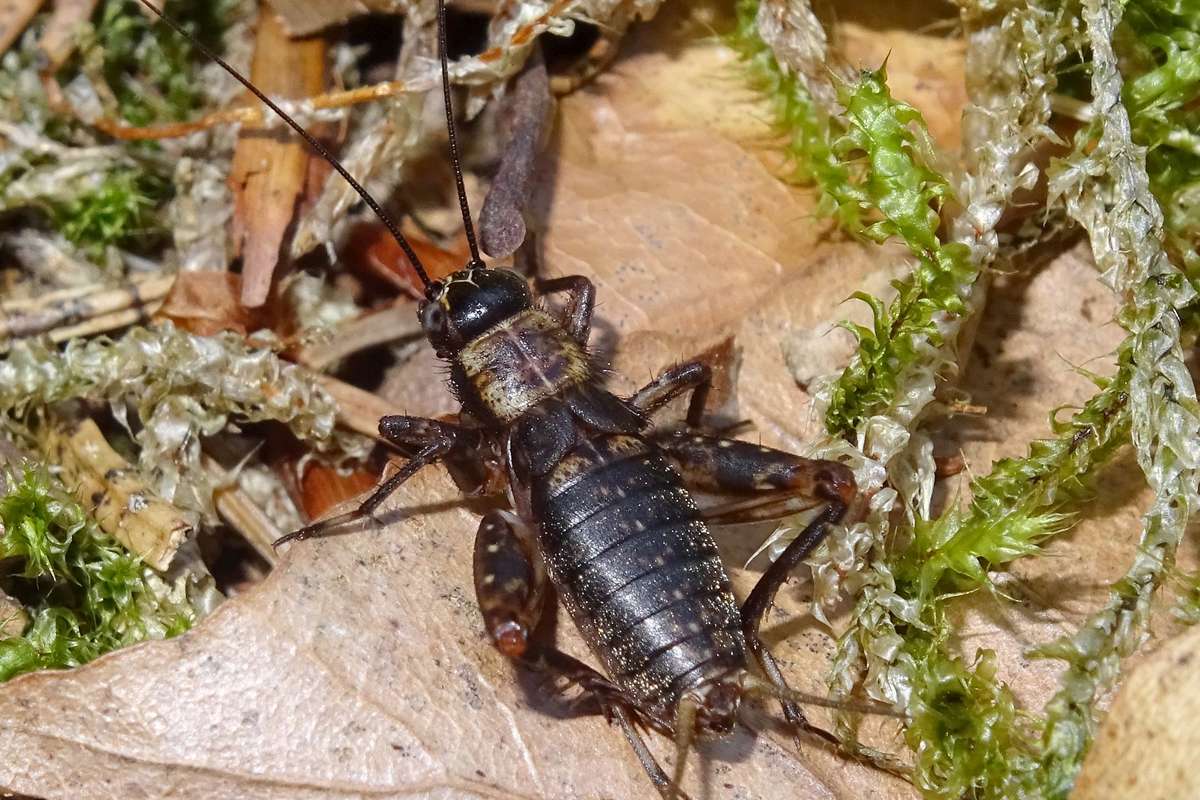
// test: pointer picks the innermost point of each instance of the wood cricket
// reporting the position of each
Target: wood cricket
(601, 510)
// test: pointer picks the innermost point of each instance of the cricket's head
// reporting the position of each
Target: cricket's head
(468, 303)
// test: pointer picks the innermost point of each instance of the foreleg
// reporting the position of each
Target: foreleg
(434, 441)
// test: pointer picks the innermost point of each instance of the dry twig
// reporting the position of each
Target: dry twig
(241, 513)
(389, 325)
(83, 310)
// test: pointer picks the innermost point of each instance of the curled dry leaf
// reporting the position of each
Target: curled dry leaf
(392, 324)
(108, 486)
(360, 668)
(323, 487)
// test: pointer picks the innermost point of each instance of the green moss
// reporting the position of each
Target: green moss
(893, 192)
(151, 70)
(1020, 502)
(871, 166)
(121, 211)
(810, 132)
(153, 76)
(85, 594)
(1158, 44)
(968, 736)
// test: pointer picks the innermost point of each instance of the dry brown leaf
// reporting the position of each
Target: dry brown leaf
(206, 302)
(1147, 748)
(322, 487)
(372, 251)
(359, 668)
(270, 169)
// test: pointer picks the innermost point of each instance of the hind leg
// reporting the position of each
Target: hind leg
(692, 376)
(510, 587)
(754, 610)
(763, 483)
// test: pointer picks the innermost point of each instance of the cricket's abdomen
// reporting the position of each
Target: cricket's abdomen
(521, 362)
(638, 570)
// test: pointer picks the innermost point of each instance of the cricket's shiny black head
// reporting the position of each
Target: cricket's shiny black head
(468, 303)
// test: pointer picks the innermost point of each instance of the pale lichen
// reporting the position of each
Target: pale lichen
(182, 387)
(1107, 189)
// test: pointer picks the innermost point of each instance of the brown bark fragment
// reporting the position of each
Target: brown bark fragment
(15, 16)
(271, 167)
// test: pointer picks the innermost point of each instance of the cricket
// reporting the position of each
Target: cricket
(601, 511)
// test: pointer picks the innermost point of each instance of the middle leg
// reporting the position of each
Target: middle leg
(510, 587)
(693, 376)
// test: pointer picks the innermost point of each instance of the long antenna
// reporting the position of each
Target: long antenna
(315, 145)
(476, 262)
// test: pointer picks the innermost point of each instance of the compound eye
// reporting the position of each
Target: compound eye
(433, 319)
